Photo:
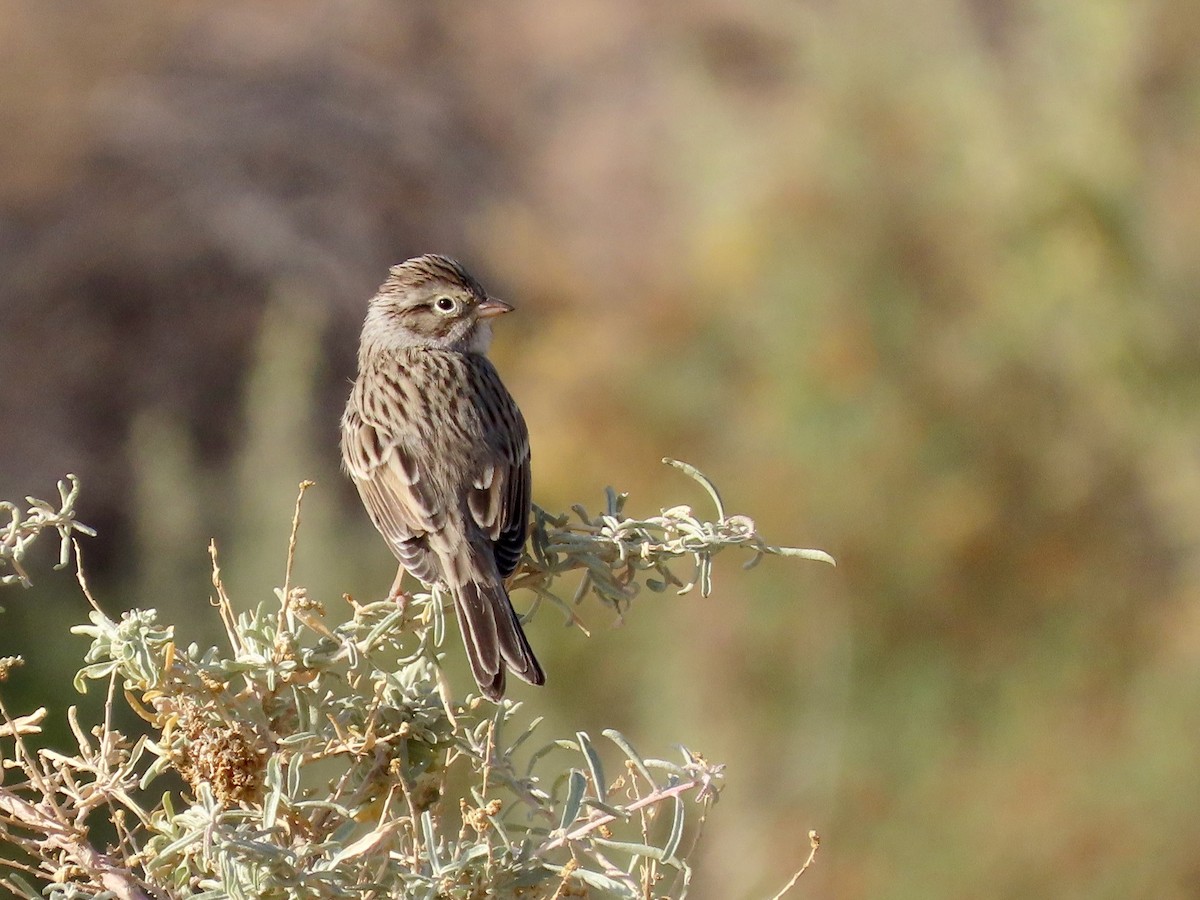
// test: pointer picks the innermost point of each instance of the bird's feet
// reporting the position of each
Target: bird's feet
(397, 594)
(402, 598)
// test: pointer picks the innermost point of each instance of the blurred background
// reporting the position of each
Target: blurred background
(916, 283)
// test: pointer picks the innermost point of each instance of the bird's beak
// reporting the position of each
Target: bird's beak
(492, 307)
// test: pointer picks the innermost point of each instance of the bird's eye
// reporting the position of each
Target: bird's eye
(445, 305)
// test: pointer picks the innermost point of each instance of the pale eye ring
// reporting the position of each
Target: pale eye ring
(445, 305)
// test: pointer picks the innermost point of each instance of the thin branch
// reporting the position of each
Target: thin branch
(814, 841)
(654, 797)
(286, 598)
(222, 603)
(82, 579)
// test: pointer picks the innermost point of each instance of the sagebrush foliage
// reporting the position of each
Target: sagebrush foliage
(318, 756)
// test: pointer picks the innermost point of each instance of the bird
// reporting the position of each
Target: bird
(439, 452)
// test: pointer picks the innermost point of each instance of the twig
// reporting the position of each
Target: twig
(81, 578)
(655, 797)
(224, 607)
(814, 841)
(286, 599)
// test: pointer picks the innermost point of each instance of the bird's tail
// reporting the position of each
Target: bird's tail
(490, 629)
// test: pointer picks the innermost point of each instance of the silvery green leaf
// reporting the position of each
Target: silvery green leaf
(673, 839)
(431, 843)
(439, 618)
(675, 769)
(156, 768)
(614, 811)
(385, 626)
(525, 735)
(273, 784)
(176, 846)
(576, 785)
(636, 848)
(594, 765)
(27, 890)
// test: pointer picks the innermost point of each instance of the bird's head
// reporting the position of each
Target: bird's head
(431, 301)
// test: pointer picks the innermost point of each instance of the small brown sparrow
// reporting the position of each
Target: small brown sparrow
(439, 452)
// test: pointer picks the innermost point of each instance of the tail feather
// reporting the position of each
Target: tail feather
(493, 637)
(519, 655)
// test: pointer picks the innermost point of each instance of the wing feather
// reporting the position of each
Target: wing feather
(397, 499)
(509, 544)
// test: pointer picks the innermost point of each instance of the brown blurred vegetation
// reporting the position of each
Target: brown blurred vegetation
(917, 283)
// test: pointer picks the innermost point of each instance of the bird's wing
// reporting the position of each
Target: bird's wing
(499, 504)
(402, 505)
(511, 543)
(499, 495)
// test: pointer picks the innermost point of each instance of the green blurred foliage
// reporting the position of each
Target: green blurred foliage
(915, 283)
